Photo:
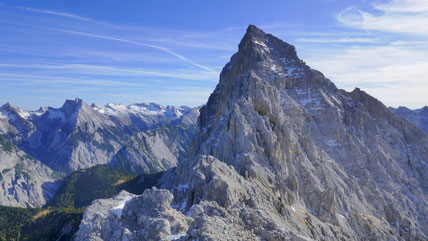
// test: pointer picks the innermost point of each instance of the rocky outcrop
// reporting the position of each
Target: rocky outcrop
(24, 180)
(280, 153)
(129, 217)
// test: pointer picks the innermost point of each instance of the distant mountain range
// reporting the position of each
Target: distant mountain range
(418, 117)
(77, 136)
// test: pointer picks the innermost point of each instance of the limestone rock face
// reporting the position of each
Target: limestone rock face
(130, 217)
(155, 150)
(280, 153)
(78, 135)
(24, 180)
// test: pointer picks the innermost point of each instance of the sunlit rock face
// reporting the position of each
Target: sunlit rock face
(78, 135)
(155, 150)
(24, 180)
(280, 153)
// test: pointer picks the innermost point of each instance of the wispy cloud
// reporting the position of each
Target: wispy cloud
(163, 49)
(62, 14)
(379, 69)
(123, 40)
(51, 80)
(397, 16)
(345, 40)
(117, 71)
(388, 59)
(183, 38)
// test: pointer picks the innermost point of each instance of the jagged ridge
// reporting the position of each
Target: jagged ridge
(78, 135)
(282, 154)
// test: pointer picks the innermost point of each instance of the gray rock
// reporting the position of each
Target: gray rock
(24, 180)
(155, 150)
(282, 154)
(128, 217)
(78, 135)
(418, 117)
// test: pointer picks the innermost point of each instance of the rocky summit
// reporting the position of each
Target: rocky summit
(281, 153)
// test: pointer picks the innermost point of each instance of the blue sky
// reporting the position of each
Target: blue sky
(171, 52)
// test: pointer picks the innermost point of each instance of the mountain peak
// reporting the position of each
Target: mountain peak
(252, 38)
(71, 103)
(14, 111)
(73, 106)
(258, 49)
(8, 105)
(277, 143)
(257, 39)
(254, 31)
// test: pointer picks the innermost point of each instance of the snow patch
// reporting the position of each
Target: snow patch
(347, 215)
(176, 236)
(3, 116)
(273, 67)
(23, 114)
(144, 109)
(119, 208)
(261, 44)
(38, 113)
(285, 60)
(12, 116)
(331, 143)
(183, 205)
(99, 109)
(336, 100)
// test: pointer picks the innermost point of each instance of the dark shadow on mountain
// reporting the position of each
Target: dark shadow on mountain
(49, 188)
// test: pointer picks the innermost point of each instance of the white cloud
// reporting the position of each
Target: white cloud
(400, 6)
(381, 70)
(412, 96)
(394, 70)
(398, 16)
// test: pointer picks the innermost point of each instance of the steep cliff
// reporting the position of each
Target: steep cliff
(280, 153)
(24, 180)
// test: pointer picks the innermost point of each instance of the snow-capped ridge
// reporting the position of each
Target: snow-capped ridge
(148, 109)
(13, 112)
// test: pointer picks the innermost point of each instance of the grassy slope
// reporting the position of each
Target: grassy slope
(80, 188)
